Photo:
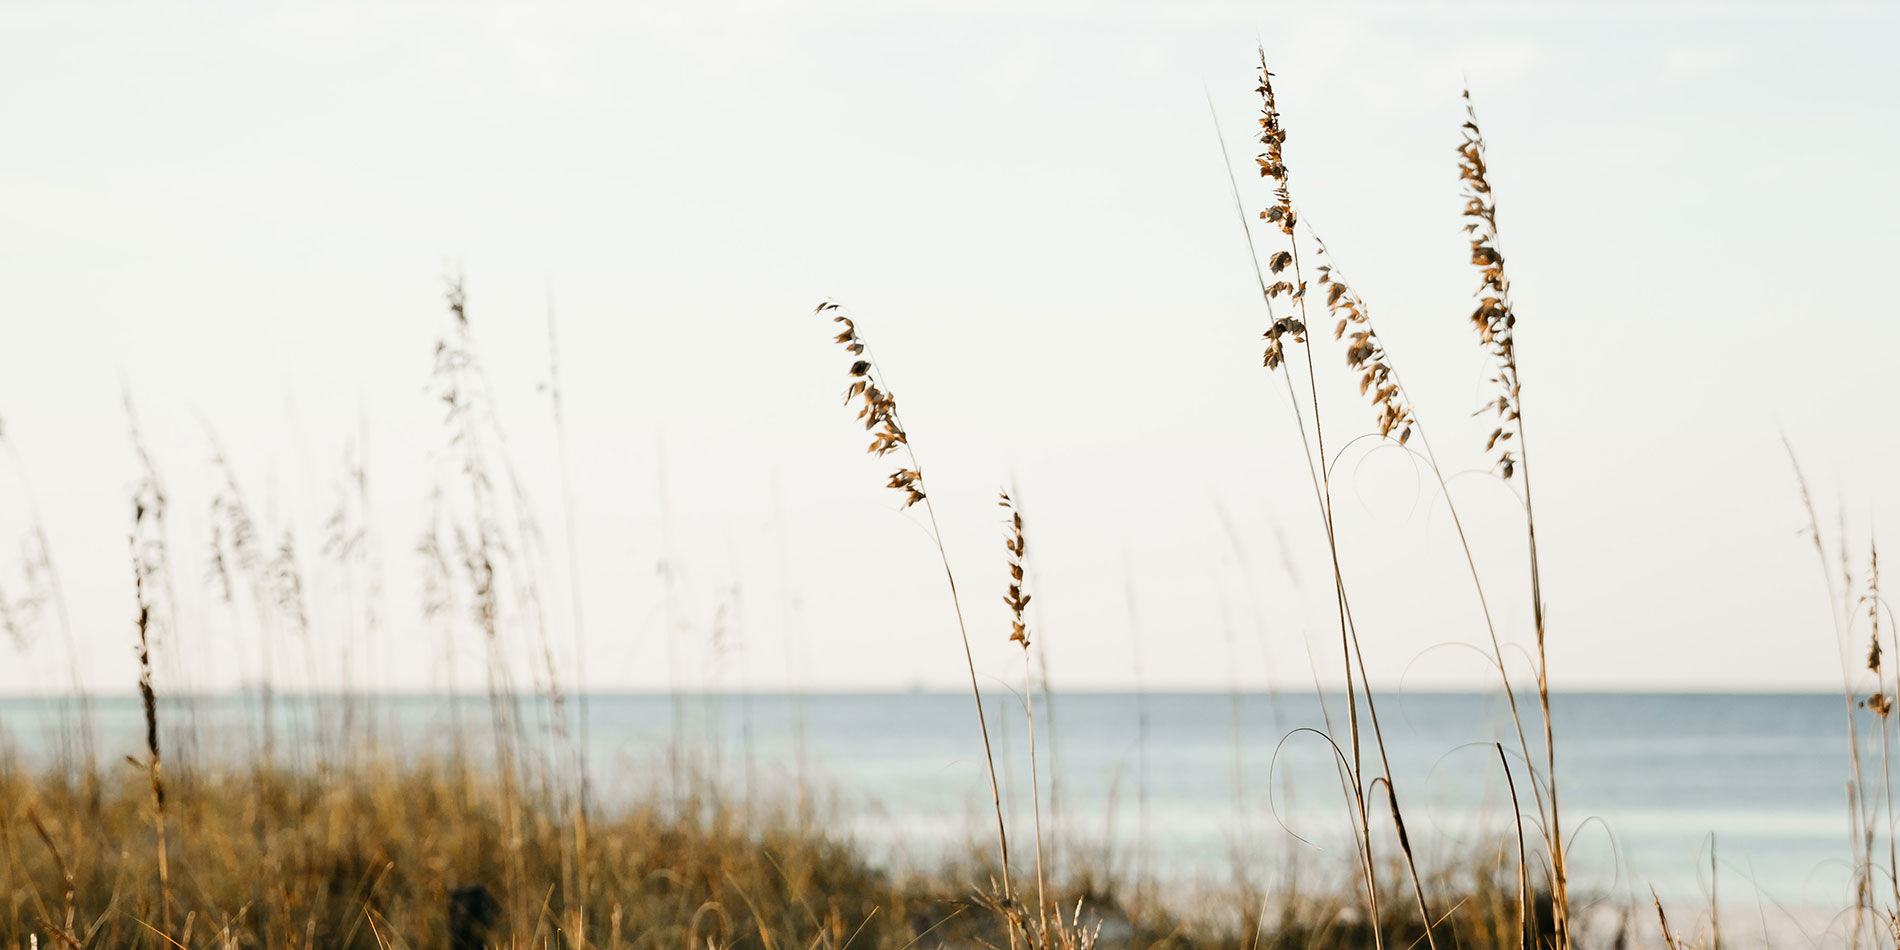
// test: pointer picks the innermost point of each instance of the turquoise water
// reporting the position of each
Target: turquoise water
(1176, 785)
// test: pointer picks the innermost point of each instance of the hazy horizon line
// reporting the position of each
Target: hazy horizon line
(1330, 691)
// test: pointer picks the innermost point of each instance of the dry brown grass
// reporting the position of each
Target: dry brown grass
(372, 857)
(375, 856)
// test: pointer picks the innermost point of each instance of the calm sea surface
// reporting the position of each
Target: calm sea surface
(1179, 785)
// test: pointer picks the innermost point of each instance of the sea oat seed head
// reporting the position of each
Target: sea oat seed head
(1493, 318)
(1017, 544)
(877, 408)
(1364, 352)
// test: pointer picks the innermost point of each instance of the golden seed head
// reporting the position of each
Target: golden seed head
(1272, 162)
(1273, 165)
(1873, 588)
(877, 408)
(1493, 318)
(1364, 352)
(1017, 544)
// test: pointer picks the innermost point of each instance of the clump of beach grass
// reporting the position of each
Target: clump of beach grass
(1282, 282)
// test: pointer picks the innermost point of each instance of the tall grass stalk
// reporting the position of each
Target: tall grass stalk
(1523, 861)
(1349, 779)
(148, 563)
(1881, 703)
(481, 550)
(1889, 699)
(1838, 613)
(1055, 761)
(1495, 320)
(571, 535)
(1017, 600)
(1138, 668)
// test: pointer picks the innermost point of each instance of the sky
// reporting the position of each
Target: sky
(243, 218)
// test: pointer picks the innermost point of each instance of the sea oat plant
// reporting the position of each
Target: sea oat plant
(1880, 702)
(1016, 543)
(147, 541)
(1872, 601)
(1281, 214)
(483, 552)
(571, 534)
(1839, 613)
(1367, 354)
(877, 410)
(1495, 319)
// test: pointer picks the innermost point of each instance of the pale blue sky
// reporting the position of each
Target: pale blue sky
(243, 213)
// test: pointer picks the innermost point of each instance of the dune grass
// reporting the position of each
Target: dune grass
(381, 855)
